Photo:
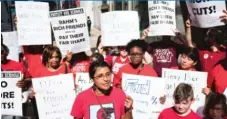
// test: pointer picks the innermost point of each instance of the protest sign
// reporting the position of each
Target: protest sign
(11, 95)
(70, 30)
(225, 92)
(162, 18)
(33, 23)
(117, 29)
(11, 41)
(83, 81)
(145, 92)
(196, 79)
(206, 13)
(54, 96)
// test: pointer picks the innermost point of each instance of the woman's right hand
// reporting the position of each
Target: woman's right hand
(206, 91)
(76, 86)
(145, 33)
(68, 56)
(188, 23)
(224, 17)
(32, 94)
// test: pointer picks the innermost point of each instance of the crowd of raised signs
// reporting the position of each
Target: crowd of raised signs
(107, 65)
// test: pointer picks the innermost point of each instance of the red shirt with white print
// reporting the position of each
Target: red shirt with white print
(217, 78)
(209, 59)
(169, 113)
(80, 66)
(146, 70)
(116, 62)
(87, 104)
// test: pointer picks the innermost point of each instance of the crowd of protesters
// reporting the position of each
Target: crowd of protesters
(139, 58)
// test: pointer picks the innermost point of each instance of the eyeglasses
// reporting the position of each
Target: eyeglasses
(136, 54)
(102, 76)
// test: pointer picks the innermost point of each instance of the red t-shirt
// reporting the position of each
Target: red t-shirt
(80, 66)
(87, 106)
(116, 63)
(147, 70)
(34, 62)
(209, 59)
(43, 71)
(15, 66)
(169, 113)
(217, 77)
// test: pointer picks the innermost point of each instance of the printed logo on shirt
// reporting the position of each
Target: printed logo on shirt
(163, 55)
(80, 67)
(96, 112)
(205, 56)
(116, 67)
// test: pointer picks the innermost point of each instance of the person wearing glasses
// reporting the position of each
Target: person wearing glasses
(102, 101)
(136, 50)
(215, 107)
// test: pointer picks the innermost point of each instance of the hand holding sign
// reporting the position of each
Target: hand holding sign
(128, 103)
(188, 23)
(206, 91)
(145, 33)
(21, 84)
(224, 17)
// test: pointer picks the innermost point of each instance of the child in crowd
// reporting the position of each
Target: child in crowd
(183, 98)
(215, 107)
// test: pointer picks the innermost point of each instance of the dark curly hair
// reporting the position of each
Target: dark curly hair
(137, 43)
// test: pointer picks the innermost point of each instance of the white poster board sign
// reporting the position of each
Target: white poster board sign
(119, 27)
(196, 79)
(162, 18)
(225, 92)
(11, 41)
(145, 92)
(11, 97)
(70, 30)
(206, 13)
(55, 96)
(33, 23)
(83, 81)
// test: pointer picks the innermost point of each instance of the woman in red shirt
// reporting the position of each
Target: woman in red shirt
(215, 49)
(136, 50)
(189, 60)
(51, 65)
(102, 101)
(116, 62)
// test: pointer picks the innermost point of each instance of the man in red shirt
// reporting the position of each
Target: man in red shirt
(183, 97)
(136, 50)
(10, 65)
